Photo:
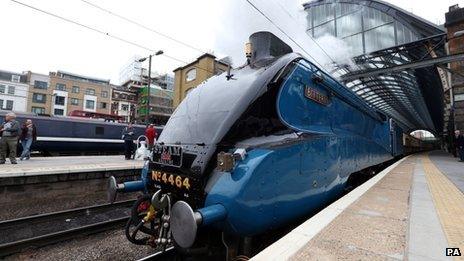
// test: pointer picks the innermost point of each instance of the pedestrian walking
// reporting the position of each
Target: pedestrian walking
(460, 144)
(9, 132)
(151, 135)
(128, 137)
(27, 137)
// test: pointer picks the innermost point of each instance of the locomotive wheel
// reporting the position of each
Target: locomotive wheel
(136, 224)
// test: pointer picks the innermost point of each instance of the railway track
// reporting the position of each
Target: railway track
(19, 234)
(167, 254)
(36, 231)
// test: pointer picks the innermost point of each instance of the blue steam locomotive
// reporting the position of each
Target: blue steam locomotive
(251, 151)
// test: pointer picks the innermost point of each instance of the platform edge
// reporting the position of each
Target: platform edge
(291, 243)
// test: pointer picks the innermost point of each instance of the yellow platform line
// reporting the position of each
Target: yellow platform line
(449, 203)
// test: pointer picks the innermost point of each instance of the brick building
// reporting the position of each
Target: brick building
(191, 75)
(39, 96)
(455, 30)
(69, 91)
(123, 103)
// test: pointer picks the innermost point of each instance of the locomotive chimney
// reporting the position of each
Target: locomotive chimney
(264, 47)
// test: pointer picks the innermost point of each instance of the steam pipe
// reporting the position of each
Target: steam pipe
(132, 186)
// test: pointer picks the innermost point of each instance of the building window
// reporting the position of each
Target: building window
(104, 94)
(40, 85)
(11, 90)
(90, 91)
(124, 107)
(1, 104)
(89, 104)
(374, 18)
(38, 110)
(191, 75)
(349, 24)
(59, 112)
(60, 87)
(75, 89)
(99, 131)
(2, 88)
(103, 105)
(9, 105)
(324, 29)
(39, 98)
(59, 100)
(75, 101)
(15, 78)
(356, 43)
(380, 37)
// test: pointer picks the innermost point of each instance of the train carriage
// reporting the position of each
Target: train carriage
(73, 135)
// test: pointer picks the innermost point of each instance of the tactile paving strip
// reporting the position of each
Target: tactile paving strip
(449, 203)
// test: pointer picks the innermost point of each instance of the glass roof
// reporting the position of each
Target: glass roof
(413, 97)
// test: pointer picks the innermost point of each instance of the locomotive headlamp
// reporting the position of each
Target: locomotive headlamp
(248, 50)
(240, 154)
(225, 161)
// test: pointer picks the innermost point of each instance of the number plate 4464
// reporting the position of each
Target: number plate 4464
(170, 179)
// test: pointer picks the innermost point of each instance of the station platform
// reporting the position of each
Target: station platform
(67, 164)
(413, 210)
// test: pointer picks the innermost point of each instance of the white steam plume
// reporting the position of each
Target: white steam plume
(240, 20)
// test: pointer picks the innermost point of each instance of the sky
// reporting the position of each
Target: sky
(41, 43)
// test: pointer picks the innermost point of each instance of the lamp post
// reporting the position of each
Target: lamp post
(160, 52)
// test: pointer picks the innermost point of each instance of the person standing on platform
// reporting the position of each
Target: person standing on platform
(453, 144)
(9, 132)
(28, 135)
(151, 134)
(460, 144)
(128, 137)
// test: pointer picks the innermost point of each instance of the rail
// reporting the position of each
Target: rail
(160, 255)
(44, 229)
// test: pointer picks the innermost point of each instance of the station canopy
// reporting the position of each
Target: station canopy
(400, 59)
